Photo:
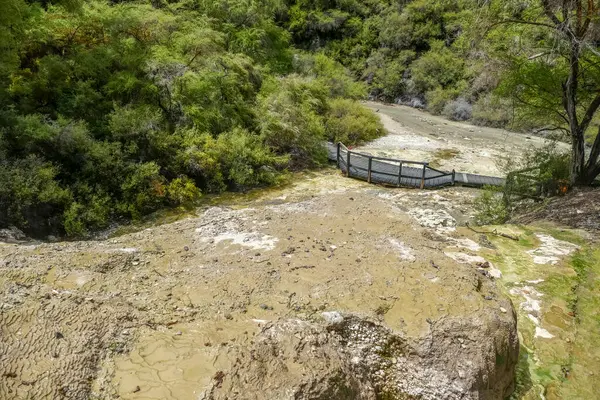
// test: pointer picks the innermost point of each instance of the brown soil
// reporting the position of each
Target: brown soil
(579, 209)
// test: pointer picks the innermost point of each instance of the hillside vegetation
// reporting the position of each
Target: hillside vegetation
(111, 110)
(116, 109)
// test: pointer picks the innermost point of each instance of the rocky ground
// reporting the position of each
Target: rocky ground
(415, 135)
(325, 289)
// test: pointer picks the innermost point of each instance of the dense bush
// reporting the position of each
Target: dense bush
(552, 162)
(112, 110)
(349, 122)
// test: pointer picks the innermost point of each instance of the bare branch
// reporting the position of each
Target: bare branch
(536, 56)
(550, 14)
(588, 19)
(553, 129)
(518, 22)
(539, 107)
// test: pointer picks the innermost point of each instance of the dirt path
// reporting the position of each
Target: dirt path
(418, 136)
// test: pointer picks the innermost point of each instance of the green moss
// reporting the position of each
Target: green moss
(523, 382)
(558, 367)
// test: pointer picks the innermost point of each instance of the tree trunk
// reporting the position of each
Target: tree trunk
(578, 170)
(590, 175)
(570, 105)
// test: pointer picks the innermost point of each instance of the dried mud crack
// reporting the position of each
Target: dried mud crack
(344, 294)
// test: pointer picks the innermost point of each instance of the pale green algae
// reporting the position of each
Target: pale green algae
(563, 360)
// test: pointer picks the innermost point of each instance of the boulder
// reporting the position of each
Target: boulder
(358, 358)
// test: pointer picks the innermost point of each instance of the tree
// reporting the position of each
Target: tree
(555, 69)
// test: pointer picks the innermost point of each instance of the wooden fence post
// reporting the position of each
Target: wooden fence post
(400, 174)
(348, 163)
(423, 177)
(369, 171)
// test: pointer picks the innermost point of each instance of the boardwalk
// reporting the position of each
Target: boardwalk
(402, 172)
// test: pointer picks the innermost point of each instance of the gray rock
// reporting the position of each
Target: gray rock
(357, 358)
(332, 317)
(12, 235)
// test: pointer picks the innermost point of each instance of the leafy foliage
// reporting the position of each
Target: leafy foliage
(115, 109)
(490, 208)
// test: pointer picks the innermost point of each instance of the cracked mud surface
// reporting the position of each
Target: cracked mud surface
(161, 313)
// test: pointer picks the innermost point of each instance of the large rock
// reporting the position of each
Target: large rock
(357, 358)
(293, 359)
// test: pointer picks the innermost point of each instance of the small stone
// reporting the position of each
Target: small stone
(186, 248)
(228, 316)
(333, 317)
(178, 333)
(59, 335)
(137, 389)
(503, 310)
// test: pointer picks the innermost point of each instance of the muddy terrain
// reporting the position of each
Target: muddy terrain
(160, 313)
(328, 288)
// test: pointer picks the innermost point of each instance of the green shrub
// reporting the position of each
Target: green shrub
(438, 98)
(80, 219)
(143, 190)
(492, 111)
(245, 161)
(385, 73)
(31, 197)
(292, 120)
(234, 160)
(438, 68)
(347, 121)
(553, 162)
(183, 190)
(330, 75)
(490, 207)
